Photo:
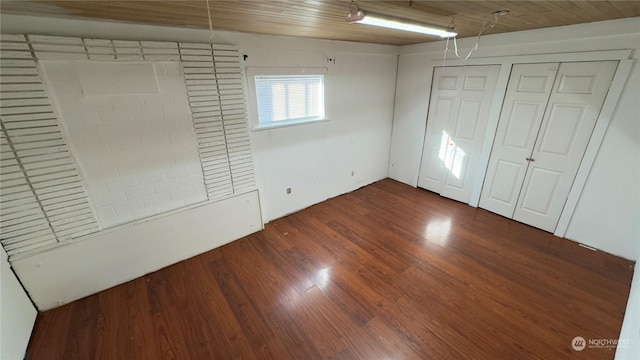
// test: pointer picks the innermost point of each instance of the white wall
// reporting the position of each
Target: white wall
(314, 160)
(17, 314)
(317, 160)
(608, 212)
(619, 152)
(99, 261)
(631, 326)
(136, 149)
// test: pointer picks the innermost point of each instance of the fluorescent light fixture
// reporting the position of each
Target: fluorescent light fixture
(392, 22)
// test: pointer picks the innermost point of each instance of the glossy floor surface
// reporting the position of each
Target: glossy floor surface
(385, 272)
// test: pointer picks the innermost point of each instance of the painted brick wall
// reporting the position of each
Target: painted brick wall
(137, 153)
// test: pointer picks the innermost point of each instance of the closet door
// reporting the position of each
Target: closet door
(522, 112)
(457, 120)
(574, 105)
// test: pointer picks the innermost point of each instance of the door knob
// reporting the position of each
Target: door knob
(530, 159)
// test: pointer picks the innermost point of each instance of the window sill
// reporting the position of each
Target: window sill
(286, 124)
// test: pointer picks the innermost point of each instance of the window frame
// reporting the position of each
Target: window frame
(253, 108)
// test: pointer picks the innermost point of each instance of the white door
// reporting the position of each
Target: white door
(535, 157)
(457, 120)
(522, 111)
(577, 97)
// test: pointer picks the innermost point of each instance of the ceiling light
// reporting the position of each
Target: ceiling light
(393, 22)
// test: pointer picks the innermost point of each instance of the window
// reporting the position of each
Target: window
(289, 99)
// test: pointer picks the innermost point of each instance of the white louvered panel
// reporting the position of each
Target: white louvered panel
(208, 133)
(97, 42)
(24, 219)
(57, 203)
(64, 224)
(20, 75)
(162, 57)
(99, 49)
(19, 38)
(202, 81)
(214, 81)
(197, 64)
(59, 207)
(46, 39)
(126, 43)
(195, 46)
(47, 170)
(17, 63)
(14, 210)
(230, 83)
(22, 87)
(23, 94)
(8, 182)
(193, 78)
(129, 51)
(61, 194)
(10, 189)
(27, 117)
(58, 48)
(163, 51)
(59, 190)
(16, 54)
(204, 101)
(197, 70)
(159, 44)
(23, 224)
(215, 153)
(29, 242)
(202, 89)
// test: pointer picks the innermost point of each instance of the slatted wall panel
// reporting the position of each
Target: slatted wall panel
(204, 100)
(216, 96)
(39, 179)
(234, 117)
(43, 199)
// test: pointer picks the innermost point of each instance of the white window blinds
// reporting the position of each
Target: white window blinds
(289, 98)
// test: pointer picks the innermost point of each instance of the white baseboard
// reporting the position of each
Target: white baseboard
(99, 261)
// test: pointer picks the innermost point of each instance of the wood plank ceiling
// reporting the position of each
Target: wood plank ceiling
(326, 19)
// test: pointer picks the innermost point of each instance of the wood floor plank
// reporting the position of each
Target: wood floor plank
(387, 271)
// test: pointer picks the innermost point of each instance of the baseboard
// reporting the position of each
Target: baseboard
(99, 261)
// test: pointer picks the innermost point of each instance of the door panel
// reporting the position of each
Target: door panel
(523, 119)
(561, 130)
(508, 188)
(522, 112)
(460, 102)
(573, 108)
(542, 181)
(468, 120)
(432, 169)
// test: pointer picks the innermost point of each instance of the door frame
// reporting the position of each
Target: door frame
(602, 123)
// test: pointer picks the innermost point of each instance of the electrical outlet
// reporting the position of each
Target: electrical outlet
(288, 190)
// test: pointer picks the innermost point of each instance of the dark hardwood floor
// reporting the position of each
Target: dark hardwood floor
(385, 272)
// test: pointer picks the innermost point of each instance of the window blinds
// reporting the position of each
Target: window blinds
(289, 97)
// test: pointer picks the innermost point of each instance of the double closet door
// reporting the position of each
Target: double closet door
(547, 118)
(456, 129)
